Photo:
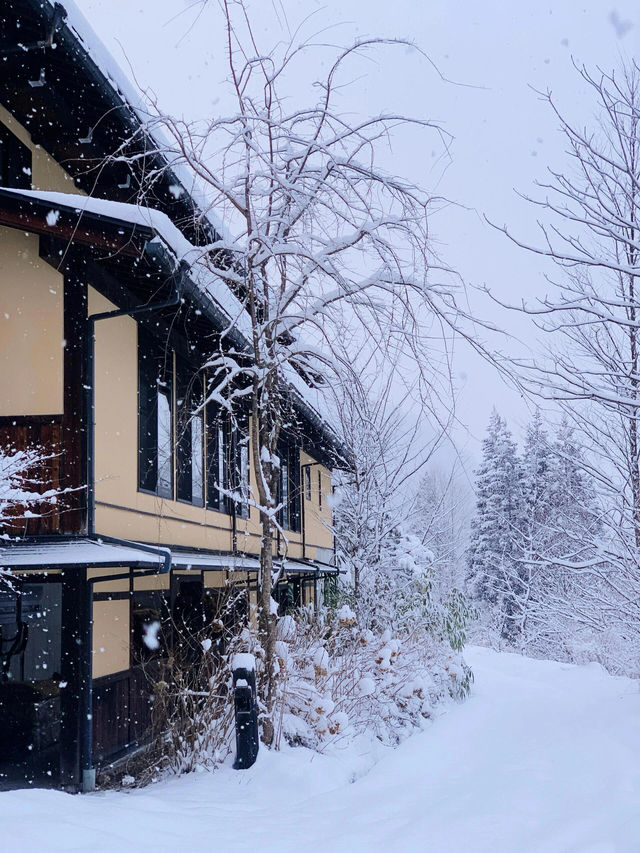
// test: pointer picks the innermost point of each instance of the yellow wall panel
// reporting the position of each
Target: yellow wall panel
(110, 637)
(31, 328)
(152, 582)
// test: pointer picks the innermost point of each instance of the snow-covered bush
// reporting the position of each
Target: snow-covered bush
(338, 680)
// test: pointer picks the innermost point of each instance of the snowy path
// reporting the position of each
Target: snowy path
(544, 757)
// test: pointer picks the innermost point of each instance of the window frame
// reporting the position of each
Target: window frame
(189, 393)
(290, 515)
(161, 363)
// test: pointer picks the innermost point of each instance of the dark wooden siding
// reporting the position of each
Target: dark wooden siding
(121, 712)
(44, 432)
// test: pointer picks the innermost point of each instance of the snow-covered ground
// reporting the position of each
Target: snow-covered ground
(543, 757)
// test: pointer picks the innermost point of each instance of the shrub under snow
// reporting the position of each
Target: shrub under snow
(337, 680)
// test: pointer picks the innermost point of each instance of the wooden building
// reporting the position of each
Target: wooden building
(101, 343)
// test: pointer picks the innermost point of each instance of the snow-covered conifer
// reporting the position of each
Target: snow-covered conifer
(493, 570)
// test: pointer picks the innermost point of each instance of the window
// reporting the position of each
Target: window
(307, 482)
(190, 436)
(241, 466)
(289, 489)
(155, 415)
(218, 435)
(319, 489)
(15, 161)
(285, 514)
(181, 437)
(30, 632)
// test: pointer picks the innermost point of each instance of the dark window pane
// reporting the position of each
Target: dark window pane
(289, 488)
(147, 419)
(244, 477)
(155, 416)
(197, 460)
(190, 436)
(165, 456)
(295, 514)
(217, 446)
(284, 493)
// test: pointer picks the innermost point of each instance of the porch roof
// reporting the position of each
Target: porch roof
(67, 552)
(70, 552)
(202, 560)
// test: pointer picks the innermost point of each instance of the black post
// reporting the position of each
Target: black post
(75, 622)
(246, 711)
(88, 773)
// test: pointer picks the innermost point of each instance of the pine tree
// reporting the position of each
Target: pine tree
(535, 537)
(558, 528)
(572, 493)
(575, 526)
(494, 572)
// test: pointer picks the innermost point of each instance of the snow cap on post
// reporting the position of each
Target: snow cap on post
(243, 660)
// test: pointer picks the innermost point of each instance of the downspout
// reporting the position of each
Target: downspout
(86, 677)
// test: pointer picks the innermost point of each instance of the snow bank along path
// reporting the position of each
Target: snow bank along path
(543, 757)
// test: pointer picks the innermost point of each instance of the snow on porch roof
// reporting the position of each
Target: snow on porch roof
(74, 552)
(198, 560)
(68, 553)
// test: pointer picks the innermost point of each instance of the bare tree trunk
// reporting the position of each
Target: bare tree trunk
(266, 624)
(266, 479)
(634, 471)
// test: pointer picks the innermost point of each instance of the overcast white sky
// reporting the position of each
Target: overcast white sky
(504, 136)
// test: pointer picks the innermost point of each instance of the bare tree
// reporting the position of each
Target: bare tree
(326, 247)
(590, 221)
(375, 497)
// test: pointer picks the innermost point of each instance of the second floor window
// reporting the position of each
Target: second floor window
(289, 488)
(189, 435)
(155, 422)
(243, 475)
(196, 452)
(218, 448)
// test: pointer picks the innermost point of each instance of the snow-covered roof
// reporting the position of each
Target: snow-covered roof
(130, 96)
(199, 560)
(209, 285)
